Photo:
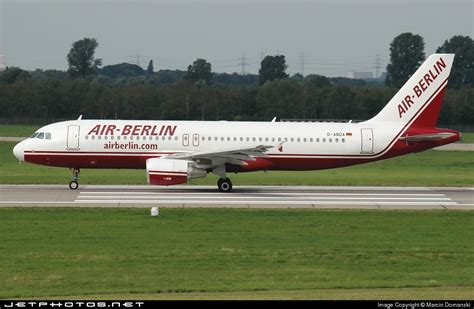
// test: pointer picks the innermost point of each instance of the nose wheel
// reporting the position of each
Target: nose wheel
(224, 184)
(74, 184)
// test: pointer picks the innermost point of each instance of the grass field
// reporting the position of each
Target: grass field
(15, 130)
(467, 138)
(235, 253)
(431, 168)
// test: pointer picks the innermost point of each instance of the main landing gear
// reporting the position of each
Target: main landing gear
(74, 184)
(224, 184)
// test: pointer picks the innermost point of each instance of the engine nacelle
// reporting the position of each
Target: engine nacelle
(167, 172)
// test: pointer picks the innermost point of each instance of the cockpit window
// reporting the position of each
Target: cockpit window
(41, 135)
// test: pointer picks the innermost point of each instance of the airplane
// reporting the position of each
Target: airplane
(172, 152)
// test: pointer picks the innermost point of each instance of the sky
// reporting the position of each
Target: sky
(327, 37)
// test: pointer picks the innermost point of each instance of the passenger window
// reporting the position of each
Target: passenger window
(292, 139)
(254, 139)
(304, 140)
(298, 139)
(228, 139)
(247, 139)
(343, 140)
(311, 140)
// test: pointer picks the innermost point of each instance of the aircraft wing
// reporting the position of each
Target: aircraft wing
(236, 156)
(426, 137)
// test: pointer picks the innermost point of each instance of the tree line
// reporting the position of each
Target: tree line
(126, 91)
(42, 100)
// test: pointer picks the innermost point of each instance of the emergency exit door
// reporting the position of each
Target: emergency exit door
(185, 139)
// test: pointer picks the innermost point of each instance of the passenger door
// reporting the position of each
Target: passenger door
(73, 136)
(367, 140)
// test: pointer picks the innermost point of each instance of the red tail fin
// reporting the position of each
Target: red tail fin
(429, 117)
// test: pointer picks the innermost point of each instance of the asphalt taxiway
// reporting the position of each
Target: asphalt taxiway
(240, 197)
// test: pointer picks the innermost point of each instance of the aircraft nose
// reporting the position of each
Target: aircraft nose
(19, 151)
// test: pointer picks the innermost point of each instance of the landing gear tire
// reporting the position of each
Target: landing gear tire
(73, 185)
(224, 184)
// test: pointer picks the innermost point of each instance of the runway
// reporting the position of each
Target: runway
(241, 197)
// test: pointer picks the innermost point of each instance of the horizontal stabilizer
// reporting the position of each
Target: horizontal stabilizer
(426, 137)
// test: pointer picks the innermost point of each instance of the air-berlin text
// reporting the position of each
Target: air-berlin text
(421, 86)
(137, 129)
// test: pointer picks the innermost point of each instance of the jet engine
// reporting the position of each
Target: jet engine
(167, 172)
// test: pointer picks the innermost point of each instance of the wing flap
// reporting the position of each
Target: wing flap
(236, 156)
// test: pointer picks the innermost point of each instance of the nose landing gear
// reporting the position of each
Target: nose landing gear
(74, 184)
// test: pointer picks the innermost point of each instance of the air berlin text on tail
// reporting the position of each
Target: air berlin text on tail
(128, 129)
(421, 86)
